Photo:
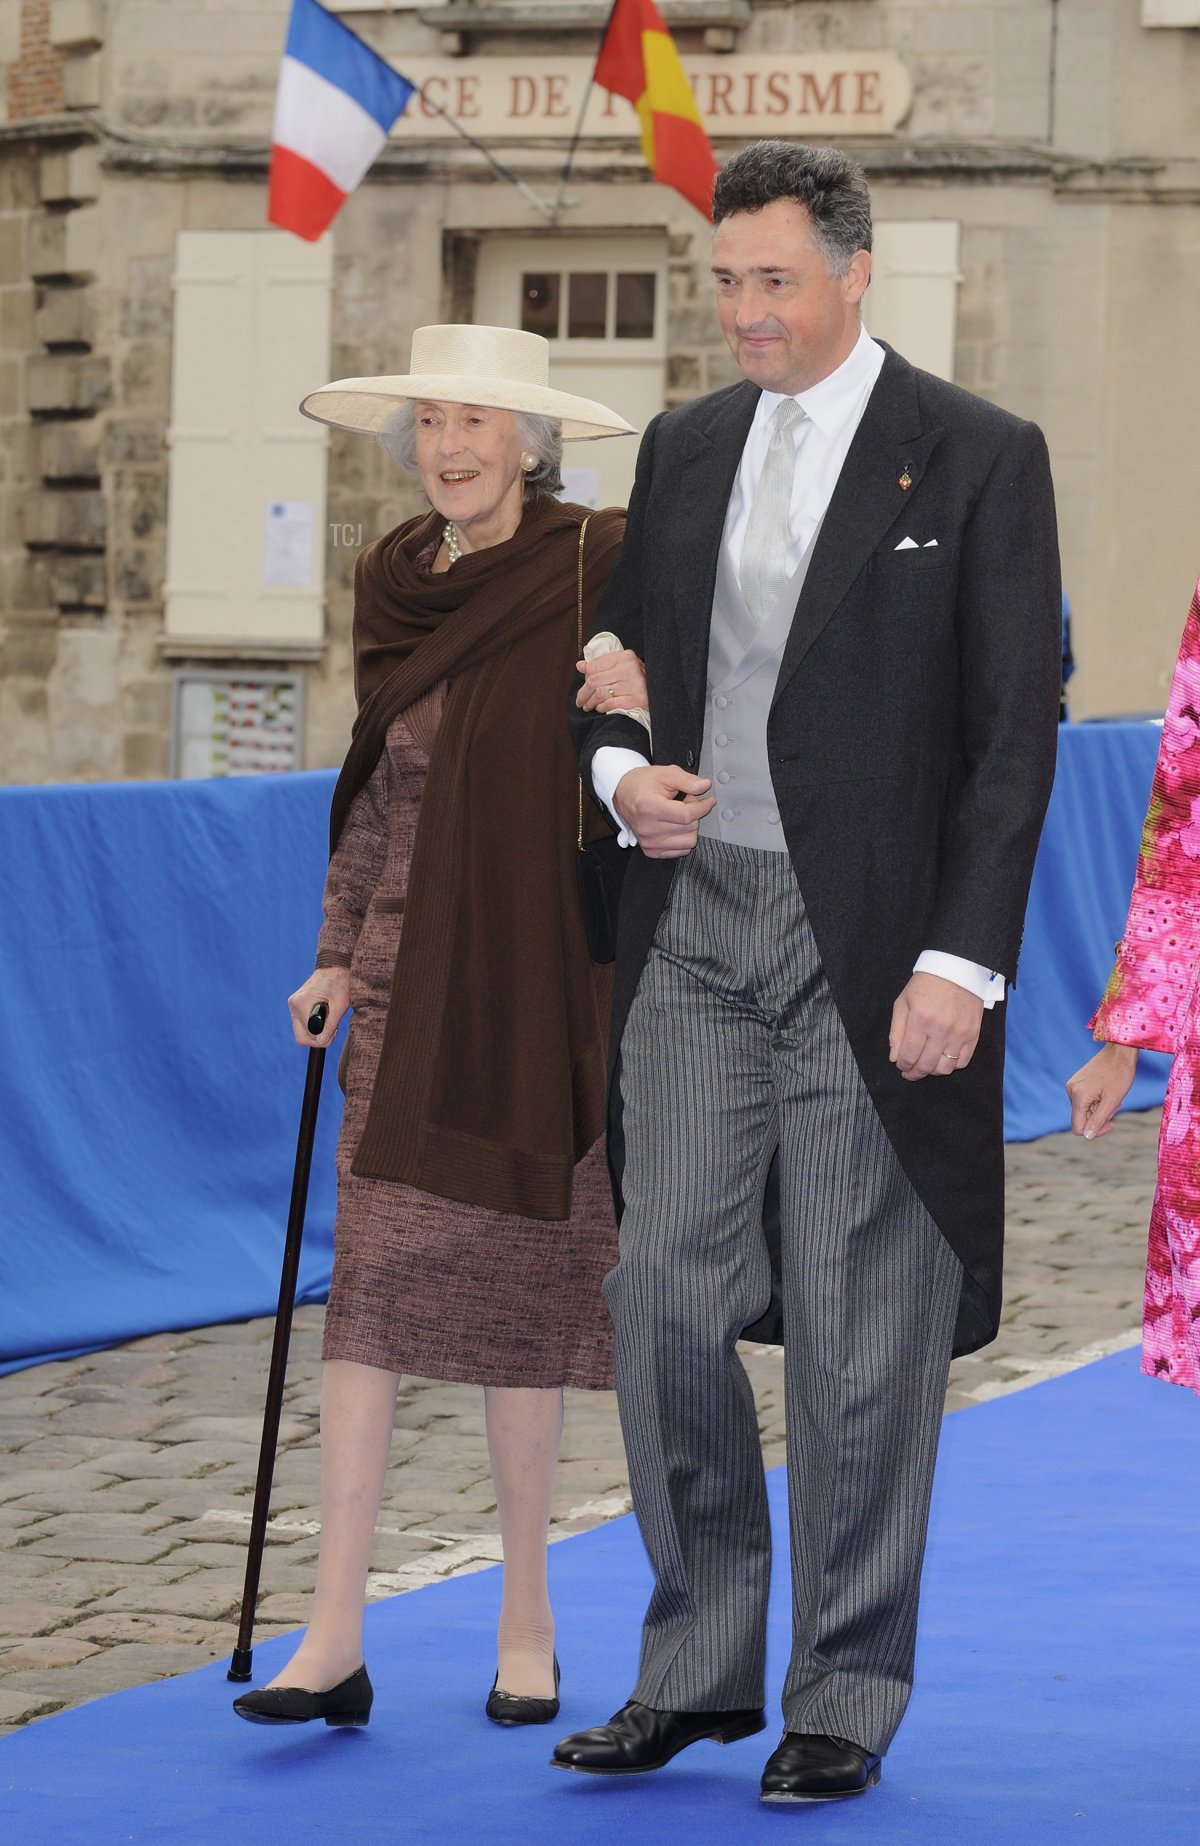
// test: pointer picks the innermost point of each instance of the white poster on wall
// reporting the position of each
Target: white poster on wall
(288, 544)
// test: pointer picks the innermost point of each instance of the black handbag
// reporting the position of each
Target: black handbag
(599, 864)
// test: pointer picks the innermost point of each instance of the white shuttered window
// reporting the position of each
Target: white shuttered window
(912, 302)
(246, 516)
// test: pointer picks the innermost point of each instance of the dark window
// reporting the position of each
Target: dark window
(635, 307)
(587, 306)
(539, 305)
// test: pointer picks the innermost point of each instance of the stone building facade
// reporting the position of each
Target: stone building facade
(1044, 155)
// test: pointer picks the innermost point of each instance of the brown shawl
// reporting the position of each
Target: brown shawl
(491, 1081)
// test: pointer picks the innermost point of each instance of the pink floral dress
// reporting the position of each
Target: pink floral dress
(1153, 1001)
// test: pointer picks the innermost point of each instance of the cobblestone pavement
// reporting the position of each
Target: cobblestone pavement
(127, 1476)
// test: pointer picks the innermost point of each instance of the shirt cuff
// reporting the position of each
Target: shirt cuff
(610, 763)
(977, 980)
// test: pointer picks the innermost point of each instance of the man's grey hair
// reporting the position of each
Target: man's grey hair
(542, 436)
(832, 189)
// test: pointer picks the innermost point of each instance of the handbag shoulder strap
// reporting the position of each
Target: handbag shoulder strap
(579, 655)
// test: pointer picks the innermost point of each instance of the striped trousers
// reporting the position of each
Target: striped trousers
(734, 1048)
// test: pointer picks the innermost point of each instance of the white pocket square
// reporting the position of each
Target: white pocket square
(907, 544)
(928, 543)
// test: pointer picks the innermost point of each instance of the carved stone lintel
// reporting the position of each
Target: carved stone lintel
(575, 15)
(183, 650)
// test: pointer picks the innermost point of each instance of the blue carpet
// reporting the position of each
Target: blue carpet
(1057, 1687)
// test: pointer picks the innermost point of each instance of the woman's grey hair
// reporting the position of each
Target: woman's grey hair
(832, 189)
(542, 436)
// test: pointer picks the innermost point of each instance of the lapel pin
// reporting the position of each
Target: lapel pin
(905, 479)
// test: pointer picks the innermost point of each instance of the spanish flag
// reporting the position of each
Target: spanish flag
(638, 60)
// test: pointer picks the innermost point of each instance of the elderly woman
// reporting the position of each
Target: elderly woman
(1152, 1001)
(474, 1219)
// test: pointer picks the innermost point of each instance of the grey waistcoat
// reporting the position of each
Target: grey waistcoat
(743, 667)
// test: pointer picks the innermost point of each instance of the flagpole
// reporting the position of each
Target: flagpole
(565, 175)
(539, 204)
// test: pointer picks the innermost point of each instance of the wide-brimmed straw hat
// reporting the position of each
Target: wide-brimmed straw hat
(496, 366)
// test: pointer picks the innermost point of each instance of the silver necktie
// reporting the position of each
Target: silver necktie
(764, 569)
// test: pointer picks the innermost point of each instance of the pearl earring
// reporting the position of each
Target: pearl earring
(528, 461)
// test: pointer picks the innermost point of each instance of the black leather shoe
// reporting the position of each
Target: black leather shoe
(349, 1703)
(519, 1707)
(815, 1768)
(638, 1738)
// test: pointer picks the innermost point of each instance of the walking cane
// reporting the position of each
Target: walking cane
(243, 1653)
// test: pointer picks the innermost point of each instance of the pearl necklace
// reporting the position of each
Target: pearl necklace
(450, 541)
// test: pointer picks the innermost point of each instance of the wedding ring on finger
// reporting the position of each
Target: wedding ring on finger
(951, 1057)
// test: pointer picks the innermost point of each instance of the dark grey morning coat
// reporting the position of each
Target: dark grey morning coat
(911, 739)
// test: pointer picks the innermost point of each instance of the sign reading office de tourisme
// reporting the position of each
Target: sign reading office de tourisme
(821, 94)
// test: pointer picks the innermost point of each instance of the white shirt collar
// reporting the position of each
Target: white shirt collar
(833, 399)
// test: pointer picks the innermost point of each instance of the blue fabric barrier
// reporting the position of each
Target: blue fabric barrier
(150, 1089)
(1076, 912)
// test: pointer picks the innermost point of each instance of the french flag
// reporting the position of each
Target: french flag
(336, 103)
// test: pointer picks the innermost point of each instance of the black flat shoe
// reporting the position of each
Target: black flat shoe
(518, 1708)
(637, 1738)
(349, 1703)
(817, 1768)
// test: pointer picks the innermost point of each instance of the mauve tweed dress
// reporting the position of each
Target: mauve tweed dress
(422, 1284)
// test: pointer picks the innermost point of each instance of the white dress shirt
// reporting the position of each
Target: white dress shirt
(834, 408)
